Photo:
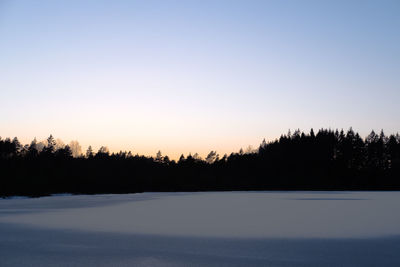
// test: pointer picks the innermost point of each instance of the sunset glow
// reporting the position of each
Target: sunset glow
(183, 78)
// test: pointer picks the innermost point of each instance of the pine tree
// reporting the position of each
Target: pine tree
(89, 152)
(51, 145)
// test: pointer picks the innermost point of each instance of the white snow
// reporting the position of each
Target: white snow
(219, 214)
(203, 229)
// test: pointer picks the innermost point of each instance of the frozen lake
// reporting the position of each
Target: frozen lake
(203, 229)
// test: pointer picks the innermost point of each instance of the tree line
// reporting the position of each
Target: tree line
(326, 160)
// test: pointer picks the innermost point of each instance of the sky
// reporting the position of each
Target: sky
(194, 76)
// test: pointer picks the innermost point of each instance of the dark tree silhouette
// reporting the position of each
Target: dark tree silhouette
(323, 160)
(89, 152)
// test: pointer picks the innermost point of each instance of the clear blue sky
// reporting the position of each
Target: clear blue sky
(191, 76)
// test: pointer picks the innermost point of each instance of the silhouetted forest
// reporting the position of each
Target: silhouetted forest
(327, 160)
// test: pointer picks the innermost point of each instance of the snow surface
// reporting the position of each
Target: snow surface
(206, 228)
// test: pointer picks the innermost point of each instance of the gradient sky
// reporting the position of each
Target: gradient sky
(191, 76)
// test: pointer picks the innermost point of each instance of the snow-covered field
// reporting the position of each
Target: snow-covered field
(203, 229)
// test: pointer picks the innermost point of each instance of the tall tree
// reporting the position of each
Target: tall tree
(49, 149)
(76, 148)
(32, 150)
(159, 157)
(211, 157)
